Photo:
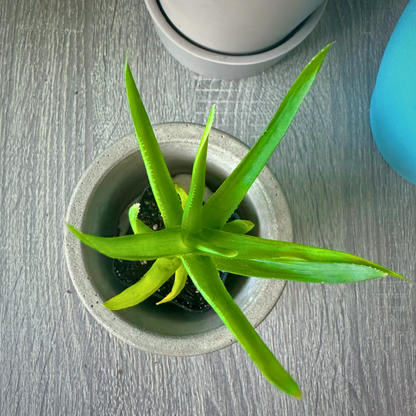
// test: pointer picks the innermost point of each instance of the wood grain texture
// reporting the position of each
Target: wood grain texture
(351, 347)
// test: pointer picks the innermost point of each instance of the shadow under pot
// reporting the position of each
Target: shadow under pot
(112, 183)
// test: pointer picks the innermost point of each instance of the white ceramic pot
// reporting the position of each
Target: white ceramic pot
(205, 61)
(237, 27)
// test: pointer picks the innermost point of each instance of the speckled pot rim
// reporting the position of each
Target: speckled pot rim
(268, 290)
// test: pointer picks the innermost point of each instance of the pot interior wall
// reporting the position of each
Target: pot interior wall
(121, 185)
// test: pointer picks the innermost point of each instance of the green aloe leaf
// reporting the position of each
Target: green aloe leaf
(192, 215)
(238, 226)
(149, 246)
(137, 225)
(226, 199)
(157, 171)
(204, 274)
(183, 196)
(158, 274)
(199, 243)
(249, 247)
(180, 279)
(300, 271)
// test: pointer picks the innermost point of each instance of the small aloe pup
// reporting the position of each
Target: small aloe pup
(198, 241)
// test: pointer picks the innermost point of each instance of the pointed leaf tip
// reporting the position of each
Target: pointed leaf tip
(74, 231)
(180, 280)
(158, 274)
(206, 278)
(157, 171)
(238, 227)
(150, 245)
(137, 225)
(298, 395)
(232, 191)
(192, 215)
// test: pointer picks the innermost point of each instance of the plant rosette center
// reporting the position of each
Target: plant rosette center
(130, 272)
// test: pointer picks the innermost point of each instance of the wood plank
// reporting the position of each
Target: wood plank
(351, 347)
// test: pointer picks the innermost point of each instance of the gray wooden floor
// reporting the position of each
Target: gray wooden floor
(62, 102)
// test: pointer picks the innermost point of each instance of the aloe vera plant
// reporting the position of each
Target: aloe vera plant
(198, 241)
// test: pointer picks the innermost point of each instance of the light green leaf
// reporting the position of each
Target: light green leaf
(299, 271)
(183, 196)
(149, 246)
(192, 215)
(180, 279)
(249, 247)
(195, 241)
(226, 199)
(158, 274)
(238, 227)
(157, 171)
(204, 274)
(138, 226)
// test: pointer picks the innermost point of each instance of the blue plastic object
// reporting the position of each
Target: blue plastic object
(393, 104)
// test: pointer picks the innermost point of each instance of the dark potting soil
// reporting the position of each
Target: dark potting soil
(130, 272)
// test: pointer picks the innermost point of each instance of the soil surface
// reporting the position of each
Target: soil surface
(130, 272)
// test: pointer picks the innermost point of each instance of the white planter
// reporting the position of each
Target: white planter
(237, 27)
(229, 66)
